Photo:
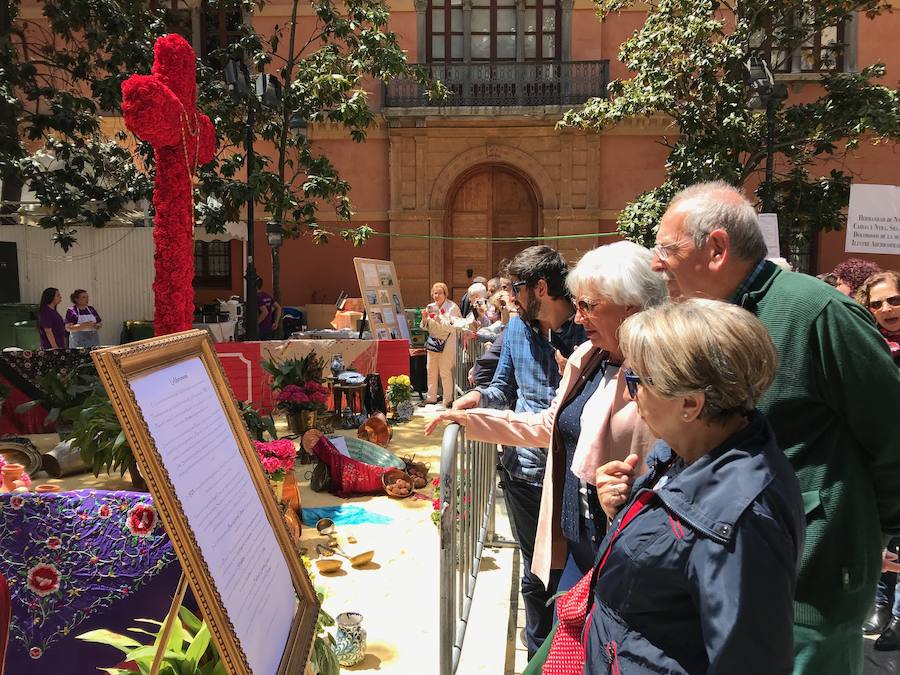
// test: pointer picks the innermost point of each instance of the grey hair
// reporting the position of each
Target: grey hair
(701, 345)
(478, 289)
(715, 205)
(621, 272)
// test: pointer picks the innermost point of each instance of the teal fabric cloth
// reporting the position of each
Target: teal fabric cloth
(345, 514)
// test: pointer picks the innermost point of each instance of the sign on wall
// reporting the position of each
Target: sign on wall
(873, 219)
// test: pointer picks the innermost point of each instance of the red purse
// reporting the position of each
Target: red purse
(567, 652)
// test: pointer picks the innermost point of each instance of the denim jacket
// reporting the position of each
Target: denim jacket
(702, 580)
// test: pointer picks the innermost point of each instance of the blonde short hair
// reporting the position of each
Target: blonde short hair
(706, 346)
(442, 286)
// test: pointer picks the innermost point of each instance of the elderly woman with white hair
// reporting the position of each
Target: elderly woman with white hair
(590, 421)
(697, 572)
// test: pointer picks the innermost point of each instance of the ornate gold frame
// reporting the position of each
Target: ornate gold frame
(116, 366)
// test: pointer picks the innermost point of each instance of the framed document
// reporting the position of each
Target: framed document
(381, 296)
(190, 442)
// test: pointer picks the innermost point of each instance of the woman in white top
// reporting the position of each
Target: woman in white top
(441, 318)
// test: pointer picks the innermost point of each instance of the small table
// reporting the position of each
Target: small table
(354, 394)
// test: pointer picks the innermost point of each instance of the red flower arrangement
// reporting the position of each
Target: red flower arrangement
(277, 457)
(161, 109)
(310, 396)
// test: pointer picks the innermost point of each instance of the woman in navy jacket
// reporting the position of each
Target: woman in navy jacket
(702, 579)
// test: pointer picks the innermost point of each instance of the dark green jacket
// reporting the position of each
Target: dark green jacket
(834, 407)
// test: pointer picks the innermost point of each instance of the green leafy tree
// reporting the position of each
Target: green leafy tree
(688, 62)
(57, 76)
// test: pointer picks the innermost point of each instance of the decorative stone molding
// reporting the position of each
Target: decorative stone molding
(530, 168)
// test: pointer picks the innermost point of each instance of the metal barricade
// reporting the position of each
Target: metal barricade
(466, 525)
(468, 350)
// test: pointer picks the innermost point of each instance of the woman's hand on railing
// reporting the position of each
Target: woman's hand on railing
(614, 480)
(458, 416)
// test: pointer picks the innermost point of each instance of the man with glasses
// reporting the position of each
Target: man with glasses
(528, 374)
(831, 407)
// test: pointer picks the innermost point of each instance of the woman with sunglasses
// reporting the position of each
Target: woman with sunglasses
(698, 569)
(590, 421)
(880, 293)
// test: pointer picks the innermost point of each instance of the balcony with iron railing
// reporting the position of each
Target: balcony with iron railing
(492, 84)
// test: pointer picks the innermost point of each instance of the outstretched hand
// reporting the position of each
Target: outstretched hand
(458, 416)
(614, 481)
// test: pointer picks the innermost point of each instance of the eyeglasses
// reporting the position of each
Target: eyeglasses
(632, 380)
(516, 285)
(586, 307)
(893, 301)
(662, 250)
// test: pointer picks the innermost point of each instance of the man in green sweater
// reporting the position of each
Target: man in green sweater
(833, 407)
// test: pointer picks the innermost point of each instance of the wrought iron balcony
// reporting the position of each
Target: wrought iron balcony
(506, 84)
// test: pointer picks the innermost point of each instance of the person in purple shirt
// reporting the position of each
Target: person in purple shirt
(82, 321)
(269, 312)
(51, 328)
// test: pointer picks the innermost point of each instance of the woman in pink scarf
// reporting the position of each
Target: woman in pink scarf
(880, 293)
(590, 422)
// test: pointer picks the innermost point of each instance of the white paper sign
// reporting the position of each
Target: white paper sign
(768, 224)
(873, 219)
(340, 443)
(224, 511)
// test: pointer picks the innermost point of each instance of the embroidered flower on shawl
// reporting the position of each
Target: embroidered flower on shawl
(17, 502)
(104, 511)
(141, 520)
(43, 579)
(35, 652)
(54, 543)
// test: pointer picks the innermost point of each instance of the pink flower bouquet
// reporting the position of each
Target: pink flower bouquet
(294, 398)
(277, 457)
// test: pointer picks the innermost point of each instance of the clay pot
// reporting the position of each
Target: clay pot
(11, 473)
(46, 488)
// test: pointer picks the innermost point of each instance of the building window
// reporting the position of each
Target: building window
(493, 32)
(216, 28)
(221, 27)
(212, 264)
(823, 51)
(541, 30)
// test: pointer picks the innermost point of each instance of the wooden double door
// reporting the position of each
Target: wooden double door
(489, 202)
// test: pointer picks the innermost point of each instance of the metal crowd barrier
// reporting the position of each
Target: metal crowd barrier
(468, 350)
(467, 521)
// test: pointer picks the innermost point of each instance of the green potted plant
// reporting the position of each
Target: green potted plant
(299, 390)
(97, 433)
(189, 651)
(399, 393)
(62, 390)
(257, 424)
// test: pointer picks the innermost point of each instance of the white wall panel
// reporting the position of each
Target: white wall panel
(115, 266)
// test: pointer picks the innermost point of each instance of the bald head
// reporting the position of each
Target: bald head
(718, 205)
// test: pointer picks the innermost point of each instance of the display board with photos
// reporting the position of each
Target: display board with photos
(382, 298)
(181, 420)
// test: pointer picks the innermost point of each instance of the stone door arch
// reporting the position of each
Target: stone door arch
(490, 200)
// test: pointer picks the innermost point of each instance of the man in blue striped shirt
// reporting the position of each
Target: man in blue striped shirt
(528, 374)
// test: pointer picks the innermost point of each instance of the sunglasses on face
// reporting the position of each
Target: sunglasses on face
(893, 301)
(586, 306)
(632, 380)
(517, 285)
